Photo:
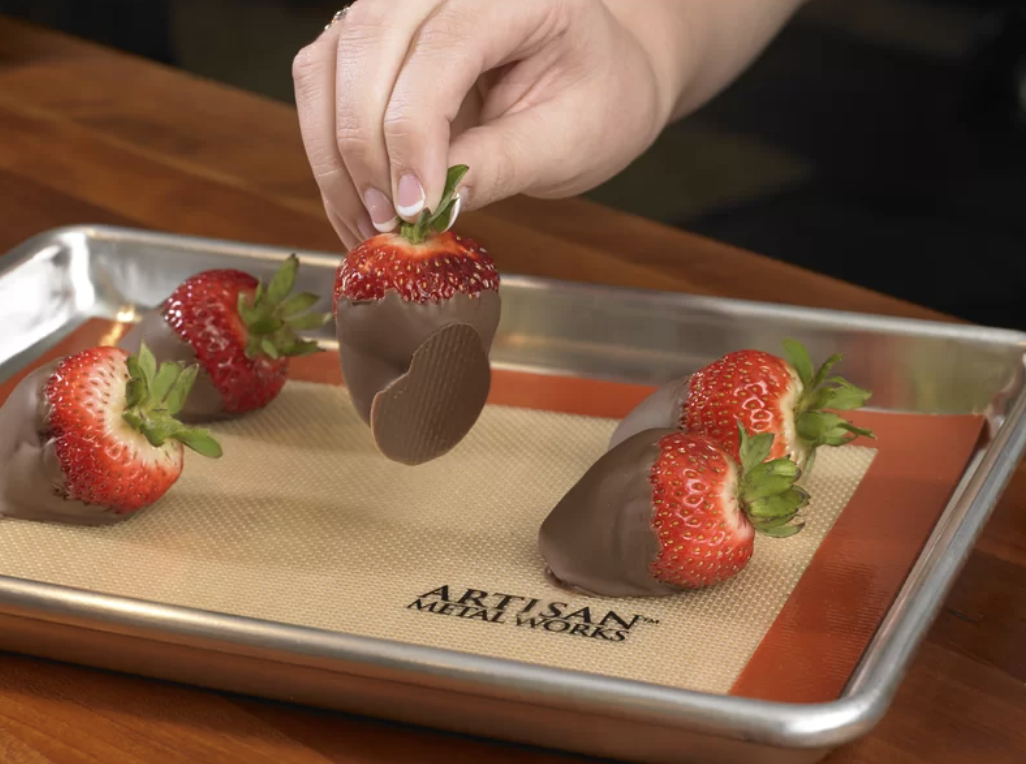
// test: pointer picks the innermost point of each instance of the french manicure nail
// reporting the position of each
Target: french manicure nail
(382, 214)
(410, 199)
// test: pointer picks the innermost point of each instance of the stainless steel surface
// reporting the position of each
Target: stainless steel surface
(52, 283)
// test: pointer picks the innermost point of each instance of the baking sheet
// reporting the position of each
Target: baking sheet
(616, 344)
(303, 522)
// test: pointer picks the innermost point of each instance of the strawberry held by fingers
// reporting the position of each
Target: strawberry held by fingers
(415, 315)
(240, 333)
(665, 511)
(767, 394)
(92, 438)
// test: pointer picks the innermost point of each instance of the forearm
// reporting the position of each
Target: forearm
(698, 47)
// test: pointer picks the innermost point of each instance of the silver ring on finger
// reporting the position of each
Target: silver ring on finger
(339, 15)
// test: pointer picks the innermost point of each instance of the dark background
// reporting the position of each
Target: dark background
(880, 141)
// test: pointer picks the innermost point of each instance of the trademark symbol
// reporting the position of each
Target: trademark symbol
(653, 621)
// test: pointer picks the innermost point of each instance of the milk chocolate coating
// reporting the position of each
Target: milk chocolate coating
(418, 374)
(599, 540)
(661, 409)
(204, 402)
(31, 481)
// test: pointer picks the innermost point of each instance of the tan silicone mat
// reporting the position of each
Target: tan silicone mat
(303, 522)
(372, 543)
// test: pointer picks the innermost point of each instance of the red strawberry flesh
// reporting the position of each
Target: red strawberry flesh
(704, 537)
(415, 315)
(104, 460)
(202, 311)
(750, 386)
(433, 271)
(666, 511)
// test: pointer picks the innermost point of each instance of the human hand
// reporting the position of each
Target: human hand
(543, 97)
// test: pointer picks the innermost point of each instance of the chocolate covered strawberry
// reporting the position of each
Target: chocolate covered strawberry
(788, 398)
(415, 315)
(93, 437)
(665, 511)
(240, 333)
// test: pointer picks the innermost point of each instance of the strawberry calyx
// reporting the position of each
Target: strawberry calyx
(155, 394)
(274, 315)
(768, 493)
(816, 425)
(439, 221)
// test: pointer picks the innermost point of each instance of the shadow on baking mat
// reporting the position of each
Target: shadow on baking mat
(303, 522)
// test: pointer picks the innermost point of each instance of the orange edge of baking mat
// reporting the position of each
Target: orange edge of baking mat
(810, 651)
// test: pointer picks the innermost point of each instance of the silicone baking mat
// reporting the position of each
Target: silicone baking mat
(303, 522)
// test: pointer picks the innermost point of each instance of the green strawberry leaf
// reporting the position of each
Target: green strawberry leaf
(284, 280)
(179, 392)
(800, 360)
(308, 321)
(784, 532)
(763, 524)
(302, 347)
(268, 346)
(134, 369)
(784, 504)
(147, 364)
(813, 425)
(753, 450)
(135, 392)
(417, 232)
(200, 441)
(452, 181)
(847, 397)
(768, 486)
(157, 431)
(824, 428)
(247, 312)
(167, 375)
(828, 364)
(297, 303)
(265, 325)
(859, 430)
(133, 419)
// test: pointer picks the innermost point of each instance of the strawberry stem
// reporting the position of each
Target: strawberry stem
(816, 426)
(275, 315)
(154, 395)
(429, 223)
(768, 494)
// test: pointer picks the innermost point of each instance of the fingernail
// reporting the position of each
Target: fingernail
(382, 214)
(367, 227)
(454, 211)
(410, 200)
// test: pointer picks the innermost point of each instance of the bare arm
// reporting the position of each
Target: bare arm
(698, 47)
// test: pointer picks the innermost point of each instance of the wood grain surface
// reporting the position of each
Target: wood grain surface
(88, 135)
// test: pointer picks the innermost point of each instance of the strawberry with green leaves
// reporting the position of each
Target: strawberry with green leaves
(666, 511)
(94, 437)
(415, 315)
(791, 399)
(240, 332)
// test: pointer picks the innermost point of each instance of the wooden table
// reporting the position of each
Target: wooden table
(92, 136)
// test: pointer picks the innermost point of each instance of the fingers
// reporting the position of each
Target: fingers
(378, 95)
(313, 72)
(345, 233)
(456, 44)
(371, 47)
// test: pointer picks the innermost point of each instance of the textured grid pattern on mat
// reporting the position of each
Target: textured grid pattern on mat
(302, 522)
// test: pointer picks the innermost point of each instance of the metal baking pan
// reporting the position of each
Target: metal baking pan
(57, 280)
